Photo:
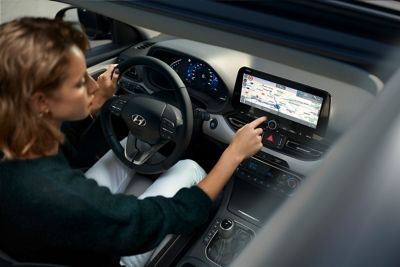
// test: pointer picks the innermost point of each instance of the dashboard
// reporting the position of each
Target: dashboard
(211, 75)
(309, 102)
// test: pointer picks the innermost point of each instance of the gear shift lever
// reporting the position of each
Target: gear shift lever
(221, 249)
(227, 243)
(226, 228)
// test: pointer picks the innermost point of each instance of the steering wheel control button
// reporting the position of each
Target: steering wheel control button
(167, 129)
(167, 124)
(117, 106)
(213, 124)
(272, 124)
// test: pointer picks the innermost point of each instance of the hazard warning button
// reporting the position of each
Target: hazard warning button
(270, 138)
(273, 139)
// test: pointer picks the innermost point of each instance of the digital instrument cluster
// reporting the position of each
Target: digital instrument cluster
(199, 76)
(201, 80)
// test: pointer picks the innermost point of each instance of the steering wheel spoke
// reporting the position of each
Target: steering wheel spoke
(141, 157)
(131, 148)
(140, 154)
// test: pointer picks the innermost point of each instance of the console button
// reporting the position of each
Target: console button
(272, 124)
(273, 138)
(270, 138)
(213, 124)
(292, 182)
(280, 142)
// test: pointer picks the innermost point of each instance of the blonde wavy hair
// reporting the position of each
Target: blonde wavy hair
(33, 57)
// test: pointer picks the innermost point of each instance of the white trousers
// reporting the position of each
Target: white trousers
(110, 172)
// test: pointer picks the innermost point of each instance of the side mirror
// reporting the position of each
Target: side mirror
(97, 27)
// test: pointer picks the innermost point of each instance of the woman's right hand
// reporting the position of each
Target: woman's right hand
(247, 140)
(246, 143)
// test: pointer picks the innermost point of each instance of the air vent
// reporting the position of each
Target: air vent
(306, 151)
(143, 45)
(236, 123)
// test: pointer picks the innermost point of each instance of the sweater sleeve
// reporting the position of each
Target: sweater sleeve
(79, 214)
(184, 212)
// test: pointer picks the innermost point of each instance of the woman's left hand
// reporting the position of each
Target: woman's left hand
(106, 84)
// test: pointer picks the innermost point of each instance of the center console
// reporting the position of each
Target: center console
(297, 118)
(255, 191)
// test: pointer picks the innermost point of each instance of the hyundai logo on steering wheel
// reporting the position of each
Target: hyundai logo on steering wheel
(139, 120)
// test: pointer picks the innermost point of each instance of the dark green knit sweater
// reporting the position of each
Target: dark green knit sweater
(52, 213)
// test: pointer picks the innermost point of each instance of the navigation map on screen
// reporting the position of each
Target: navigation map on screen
(287, 102)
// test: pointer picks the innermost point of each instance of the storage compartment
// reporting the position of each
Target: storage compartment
(252, 203)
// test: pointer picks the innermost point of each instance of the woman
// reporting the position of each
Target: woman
(52, 213)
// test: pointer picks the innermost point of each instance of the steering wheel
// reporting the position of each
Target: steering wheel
(150, 120)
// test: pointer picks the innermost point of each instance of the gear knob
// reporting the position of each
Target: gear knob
(226, 228)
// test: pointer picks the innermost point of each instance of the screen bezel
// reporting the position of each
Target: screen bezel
(285, 123)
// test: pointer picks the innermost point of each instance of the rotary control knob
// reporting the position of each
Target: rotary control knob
(272, 124)
(226, 228)
(292, 183)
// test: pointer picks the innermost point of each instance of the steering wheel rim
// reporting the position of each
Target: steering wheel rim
(122, 106)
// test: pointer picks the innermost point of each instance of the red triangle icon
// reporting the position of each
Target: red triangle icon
(270, 138)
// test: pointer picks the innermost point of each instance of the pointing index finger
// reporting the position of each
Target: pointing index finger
(257, 121)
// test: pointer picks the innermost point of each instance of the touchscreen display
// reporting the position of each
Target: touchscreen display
(284, 101)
